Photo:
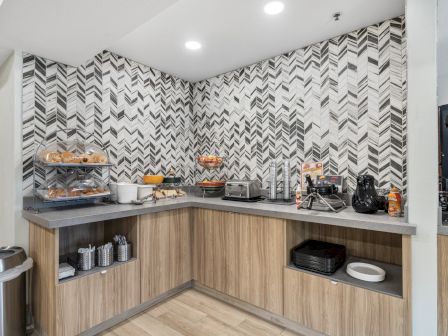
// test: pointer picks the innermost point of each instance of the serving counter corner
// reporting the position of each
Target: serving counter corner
(234, 251)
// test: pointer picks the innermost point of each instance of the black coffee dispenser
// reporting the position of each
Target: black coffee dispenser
(365, 198)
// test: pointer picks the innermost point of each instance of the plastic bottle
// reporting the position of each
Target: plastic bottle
(299, 194)
(394, 199)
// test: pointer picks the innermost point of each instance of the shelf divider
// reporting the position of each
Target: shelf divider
(392, 285)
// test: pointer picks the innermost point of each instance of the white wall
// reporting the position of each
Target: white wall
(13, 229)
(442, 52)
(422, 161)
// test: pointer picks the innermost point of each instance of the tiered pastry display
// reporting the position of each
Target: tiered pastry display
(72, 153)
(78, 189)
(70, 172)
(211, 162)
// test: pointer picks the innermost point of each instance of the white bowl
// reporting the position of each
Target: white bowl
(126, 192)
(366, 272)
(145, 191)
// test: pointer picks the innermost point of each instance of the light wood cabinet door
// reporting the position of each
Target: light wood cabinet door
(165, 251)
(368, 313)
(312, 301)
(126, 289)
(339, 309)
(87, 301)
(83, 303)
(240, 255)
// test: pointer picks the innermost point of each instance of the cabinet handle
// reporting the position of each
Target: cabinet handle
(334, 282)
(103, 272)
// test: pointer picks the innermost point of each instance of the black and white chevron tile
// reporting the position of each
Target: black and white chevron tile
(141, 115)
(340, 101)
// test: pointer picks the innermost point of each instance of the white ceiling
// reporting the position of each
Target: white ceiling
(238, 32)
(71, 31)
(233, 33)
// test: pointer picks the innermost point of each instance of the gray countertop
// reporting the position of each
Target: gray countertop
(95, 213)
(442, 228)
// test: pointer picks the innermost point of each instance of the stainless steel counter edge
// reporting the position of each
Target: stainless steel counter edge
(346, 218)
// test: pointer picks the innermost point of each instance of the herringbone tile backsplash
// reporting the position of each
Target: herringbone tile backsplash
(141, 115)
(340, 101)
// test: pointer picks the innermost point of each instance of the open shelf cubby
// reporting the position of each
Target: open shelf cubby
(80, 274)
(72, 238)
(382, 249)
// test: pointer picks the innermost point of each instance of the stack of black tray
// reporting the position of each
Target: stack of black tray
(318, 256)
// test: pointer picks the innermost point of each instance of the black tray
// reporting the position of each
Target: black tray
(318, 256)
(249, 200)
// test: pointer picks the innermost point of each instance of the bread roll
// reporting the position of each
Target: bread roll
(67, 157)
(159, 195)
(100, 158)
(52, 157)
(56, 192)
(89, 158)
(84, 158)
(74, 192)
(76, 159)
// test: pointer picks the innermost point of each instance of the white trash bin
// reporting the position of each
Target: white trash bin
(13, 267)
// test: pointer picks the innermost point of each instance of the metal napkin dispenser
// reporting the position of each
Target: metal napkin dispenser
(244, 189)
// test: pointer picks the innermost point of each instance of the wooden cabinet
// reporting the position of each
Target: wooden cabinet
(338, 309)
(241, 256)
(312, 301)
(442, 269)
(165, 251)
(87, 301)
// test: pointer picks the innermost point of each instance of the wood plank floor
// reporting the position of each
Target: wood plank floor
(194, 314)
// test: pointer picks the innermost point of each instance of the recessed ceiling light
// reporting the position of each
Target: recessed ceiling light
(1, 2)
(192, 45)
(274, 7)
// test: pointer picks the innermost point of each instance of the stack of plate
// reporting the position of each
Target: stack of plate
(318, 256)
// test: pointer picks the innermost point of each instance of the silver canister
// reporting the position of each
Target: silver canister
(86, 260)
(124, 252)
(105, 255)
(273, 180)
(286, 180)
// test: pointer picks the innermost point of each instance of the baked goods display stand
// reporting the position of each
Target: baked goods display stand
(211, 163)
(73, 160)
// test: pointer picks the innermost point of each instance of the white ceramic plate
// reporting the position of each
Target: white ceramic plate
(366, 272)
